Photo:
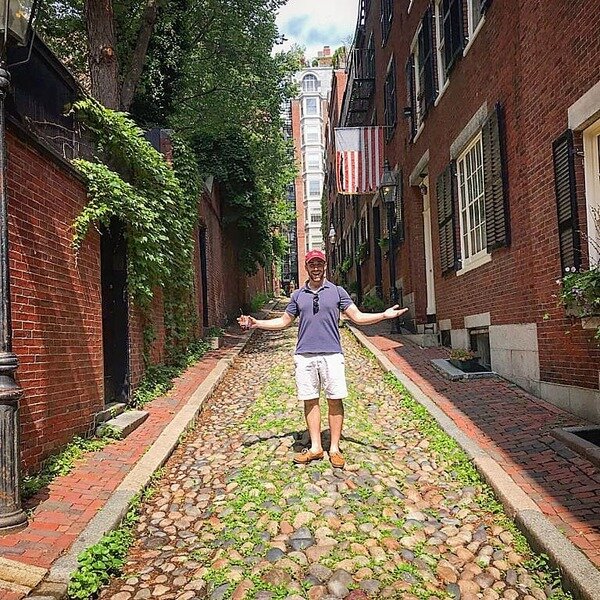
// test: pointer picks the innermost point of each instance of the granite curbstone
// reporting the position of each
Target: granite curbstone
(580, 576)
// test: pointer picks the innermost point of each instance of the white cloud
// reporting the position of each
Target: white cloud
(315, 23)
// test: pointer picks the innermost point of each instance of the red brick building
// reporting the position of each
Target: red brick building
(493, 122)
(78, 340)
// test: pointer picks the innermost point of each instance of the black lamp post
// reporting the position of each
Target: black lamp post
(387, 189)
(16, 19)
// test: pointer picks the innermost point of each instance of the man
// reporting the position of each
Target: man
(319, 358)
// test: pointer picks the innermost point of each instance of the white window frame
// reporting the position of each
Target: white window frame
(414, 50)
(439, 48)
(472, 26)
(319, 182)
(471, 205)
(310, 77)
(312, 130)
(591, 162)
(306, 113)
(307, 160)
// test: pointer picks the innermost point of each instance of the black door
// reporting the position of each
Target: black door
(203, 277)
(115, 320)
(377, 250)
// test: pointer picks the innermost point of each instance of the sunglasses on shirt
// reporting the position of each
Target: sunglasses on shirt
(315, 304)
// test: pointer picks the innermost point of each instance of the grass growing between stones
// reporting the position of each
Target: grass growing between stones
(459, 467)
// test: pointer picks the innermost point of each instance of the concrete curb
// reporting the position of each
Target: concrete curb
(111, 514)
(579, 574)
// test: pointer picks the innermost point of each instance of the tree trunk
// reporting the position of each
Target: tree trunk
(139, 54)
(103, 63)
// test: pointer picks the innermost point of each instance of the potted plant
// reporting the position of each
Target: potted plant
(213, 337)
(580, 293)
(346, 265)
(362, 252)
(465, 360)
(384, 244)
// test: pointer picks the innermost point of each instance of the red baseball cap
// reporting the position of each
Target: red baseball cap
(315, 254)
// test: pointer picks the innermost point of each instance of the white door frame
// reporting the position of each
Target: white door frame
(591, 162)
(429, 272)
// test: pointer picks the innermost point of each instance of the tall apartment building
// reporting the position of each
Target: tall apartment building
(309, 111)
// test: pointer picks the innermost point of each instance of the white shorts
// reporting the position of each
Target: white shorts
(316, 371)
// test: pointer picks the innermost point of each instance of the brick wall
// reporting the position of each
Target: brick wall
(56, 306)
(510, 61)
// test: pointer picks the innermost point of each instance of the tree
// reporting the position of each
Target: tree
(115, 39)
(204, 68)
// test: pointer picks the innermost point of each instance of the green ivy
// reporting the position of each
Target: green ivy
(63, 462)
(157, 204)
(142, 191)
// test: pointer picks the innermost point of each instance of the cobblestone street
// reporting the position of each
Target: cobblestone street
(232, 517)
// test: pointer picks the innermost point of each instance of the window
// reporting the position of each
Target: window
(591, 160)
(310, 83)
(449, 35)
(471, 194)
(371, 57)
(426, 88)
(389, 100)
(312, 161)
(315, 218)
(311, 107)
(387, 13)
(479, 342)
(440, 49)
(474, 15)
(313, 188)
(312, 134)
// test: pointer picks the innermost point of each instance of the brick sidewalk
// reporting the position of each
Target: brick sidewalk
(63, 509)
(514, 428)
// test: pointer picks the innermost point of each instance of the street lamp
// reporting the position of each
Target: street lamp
(332, 234)
(16, 20)
(387, 189)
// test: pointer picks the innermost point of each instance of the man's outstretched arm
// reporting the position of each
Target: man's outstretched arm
(247, 322)
(361, 318)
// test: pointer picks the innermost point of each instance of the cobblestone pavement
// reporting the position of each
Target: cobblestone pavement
(232, 517)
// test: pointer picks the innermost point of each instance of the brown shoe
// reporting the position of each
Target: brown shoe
(337, 460)
(306, 456)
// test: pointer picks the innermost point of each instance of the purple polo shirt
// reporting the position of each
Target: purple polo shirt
(318, 330)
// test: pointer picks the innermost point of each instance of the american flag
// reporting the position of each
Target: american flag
(359, 159)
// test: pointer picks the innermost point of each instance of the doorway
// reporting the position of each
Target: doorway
(203, 275)
(429, 273)
(377, 250)
(115, 313)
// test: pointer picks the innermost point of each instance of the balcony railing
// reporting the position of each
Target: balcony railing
(360, 87)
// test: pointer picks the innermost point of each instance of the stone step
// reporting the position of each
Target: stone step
(125, 423)
(110, 411)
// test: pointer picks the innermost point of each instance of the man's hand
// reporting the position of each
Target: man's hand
(394, 312)
(247, 322)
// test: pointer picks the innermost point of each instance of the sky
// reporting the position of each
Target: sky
(317, 23)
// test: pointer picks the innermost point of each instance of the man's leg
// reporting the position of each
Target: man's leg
(313, 422)
(309, 384)
(336, 422)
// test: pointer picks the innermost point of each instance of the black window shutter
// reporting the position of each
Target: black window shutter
(566, 201)
(426, 57)
(445, 214)
(453, 31)
(484, 5)
(410, 93)
(495, 181)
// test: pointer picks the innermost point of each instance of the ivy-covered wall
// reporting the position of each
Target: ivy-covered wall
(56, 301)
